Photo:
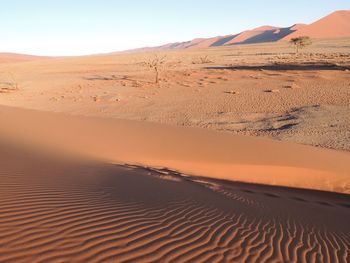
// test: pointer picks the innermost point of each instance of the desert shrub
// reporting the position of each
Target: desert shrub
(300, 42)
(202, 60)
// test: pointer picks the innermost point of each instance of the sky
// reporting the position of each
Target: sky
(81, 27)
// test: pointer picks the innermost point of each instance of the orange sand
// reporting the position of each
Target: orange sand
(192, 151)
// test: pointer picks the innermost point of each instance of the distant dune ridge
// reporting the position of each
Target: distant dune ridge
(12, 57)
(335, 25)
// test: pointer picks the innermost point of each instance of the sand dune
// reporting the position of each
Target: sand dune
(298, 26)
(210, 42)
(55, 209)
(189, 150)
(246, 35)
(335, 25)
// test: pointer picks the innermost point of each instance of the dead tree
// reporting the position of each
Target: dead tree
(155, 64)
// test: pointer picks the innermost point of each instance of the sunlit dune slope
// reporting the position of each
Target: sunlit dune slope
(192, 151)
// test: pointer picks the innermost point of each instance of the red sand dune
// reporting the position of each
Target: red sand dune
(56, 208)
(208, 42)
(245, 35)
(335, 25)
(183, 45)
(192, 151)
(298, 26)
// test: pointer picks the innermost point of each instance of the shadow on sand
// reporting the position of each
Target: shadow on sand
(282, 67)
(115, 78)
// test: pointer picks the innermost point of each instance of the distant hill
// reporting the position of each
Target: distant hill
(335, 25)
(12, 57)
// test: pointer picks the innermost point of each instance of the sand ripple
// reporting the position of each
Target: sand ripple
(53, 211)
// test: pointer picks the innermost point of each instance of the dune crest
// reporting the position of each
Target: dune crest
(194, 151)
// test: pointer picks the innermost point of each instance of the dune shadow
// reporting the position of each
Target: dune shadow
(299, 199)
(272, 35)
(345, 205)
(247, 191)
(324, 203)
(271, 195)
(223, 41)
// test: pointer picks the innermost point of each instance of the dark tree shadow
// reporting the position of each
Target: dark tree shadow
(115, 78)
(283, 67)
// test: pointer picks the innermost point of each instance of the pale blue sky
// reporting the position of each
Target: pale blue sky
(77, 27)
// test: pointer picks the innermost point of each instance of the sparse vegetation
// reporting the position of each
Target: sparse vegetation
(205, 60)
(202, 60)
(155, 64)
(300, 43)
